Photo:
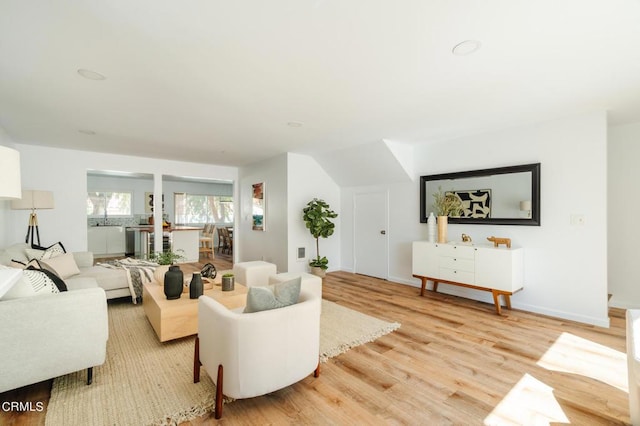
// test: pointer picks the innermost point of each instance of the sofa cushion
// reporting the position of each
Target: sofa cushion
(64, 265)
(107, 278)
(275, 296)
(14, 252)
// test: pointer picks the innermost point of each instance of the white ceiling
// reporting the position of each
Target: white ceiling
(217, 81)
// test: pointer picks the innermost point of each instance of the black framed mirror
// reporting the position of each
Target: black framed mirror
(499, 196)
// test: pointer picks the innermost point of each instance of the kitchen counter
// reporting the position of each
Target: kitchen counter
(184, 238)
(150, 228)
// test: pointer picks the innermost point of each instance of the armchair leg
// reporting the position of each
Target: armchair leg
(316, 373)
(218, 412)
(89, 375)
(196, 361)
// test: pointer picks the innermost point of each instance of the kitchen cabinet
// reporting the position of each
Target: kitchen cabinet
(109, 240)
(499, 270)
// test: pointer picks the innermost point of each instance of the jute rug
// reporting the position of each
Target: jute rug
(146, 382)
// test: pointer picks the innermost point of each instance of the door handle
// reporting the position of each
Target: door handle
(383, 232)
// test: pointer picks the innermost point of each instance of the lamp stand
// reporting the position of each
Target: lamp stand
(32, 229)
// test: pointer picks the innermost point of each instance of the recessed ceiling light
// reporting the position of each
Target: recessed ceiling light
(91, 75)
(466, 47)
(294, 124)
(87, 132)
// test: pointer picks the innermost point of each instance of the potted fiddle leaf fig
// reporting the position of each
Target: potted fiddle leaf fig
(317, 217)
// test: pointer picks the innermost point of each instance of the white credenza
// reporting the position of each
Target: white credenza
(499, 270)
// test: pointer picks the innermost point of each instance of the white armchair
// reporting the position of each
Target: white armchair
(253, 354)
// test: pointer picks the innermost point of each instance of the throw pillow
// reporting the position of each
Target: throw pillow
(40, 282)
(57, 281)
(64, 265)
(39, 252)
(273, 296)
(21, 265)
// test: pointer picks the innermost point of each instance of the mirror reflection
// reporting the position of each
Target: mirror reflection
(506, 195)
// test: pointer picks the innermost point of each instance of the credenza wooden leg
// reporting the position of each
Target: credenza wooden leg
(507, 299)
(424, 285)
(496, 301)
(435, 286)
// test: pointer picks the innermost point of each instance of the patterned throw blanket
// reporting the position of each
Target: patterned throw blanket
(138, 273)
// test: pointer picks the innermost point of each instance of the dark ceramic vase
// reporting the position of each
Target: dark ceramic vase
(195, 287)
(173, 282)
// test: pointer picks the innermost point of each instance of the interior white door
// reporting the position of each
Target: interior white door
(370, 234)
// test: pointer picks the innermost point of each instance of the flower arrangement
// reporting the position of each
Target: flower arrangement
(447, 203)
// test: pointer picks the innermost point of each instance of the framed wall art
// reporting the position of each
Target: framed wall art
(258, 207)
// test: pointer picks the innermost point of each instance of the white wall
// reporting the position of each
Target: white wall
(270, 245)
(5, 140)
(65, 173)
(565, 265)
(308, 180)
(624, 233)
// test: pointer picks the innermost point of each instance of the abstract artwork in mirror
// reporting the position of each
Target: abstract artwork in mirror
(475, 203)
(489, 196)
(258, 212)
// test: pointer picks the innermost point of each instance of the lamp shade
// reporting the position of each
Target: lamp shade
(32, 199)
(9, 173)
(525, 206)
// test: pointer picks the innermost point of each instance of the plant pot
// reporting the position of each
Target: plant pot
(228, 283)
(318, 271)
(173, 283)
(442, 229)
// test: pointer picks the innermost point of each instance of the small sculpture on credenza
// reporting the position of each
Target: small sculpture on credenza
(498, 240)
(466, 238)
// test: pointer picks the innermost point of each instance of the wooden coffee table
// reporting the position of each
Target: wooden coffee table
(172, 319)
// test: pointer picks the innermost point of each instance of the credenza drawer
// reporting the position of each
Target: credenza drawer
(458, 276)
(460, 252)
(467, 265)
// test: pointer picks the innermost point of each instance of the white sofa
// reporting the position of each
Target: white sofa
(46, 336)
(113, 281)
(633, 361)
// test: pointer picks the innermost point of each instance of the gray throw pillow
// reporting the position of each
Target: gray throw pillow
(273, 296)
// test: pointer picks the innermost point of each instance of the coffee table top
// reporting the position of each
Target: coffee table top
(230, 299)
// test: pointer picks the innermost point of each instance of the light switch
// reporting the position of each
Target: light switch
(577, 219)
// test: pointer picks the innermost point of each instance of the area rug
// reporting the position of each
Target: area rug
(147, 382)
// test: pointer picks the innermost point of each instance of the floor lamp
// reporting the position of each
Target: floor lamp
(33, 200)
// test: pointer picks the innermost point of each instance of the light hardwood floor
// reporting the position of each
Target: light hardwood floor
(453, 361)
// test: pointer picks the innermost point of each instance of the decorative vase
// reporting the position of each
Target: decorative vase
(228, 283)
(195, 286)
(173, 282)
(442, 229)
(431, 228)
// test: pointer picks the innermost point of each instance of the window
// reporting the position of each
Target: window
(196, 209)
(110, 204)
